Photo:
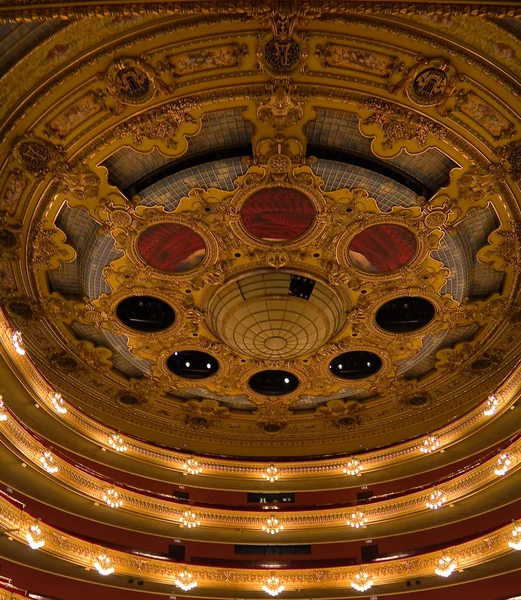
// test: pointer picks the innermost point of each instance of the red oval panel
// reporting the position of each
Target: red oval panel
(278, 214)
(382, 248)
(171, 247)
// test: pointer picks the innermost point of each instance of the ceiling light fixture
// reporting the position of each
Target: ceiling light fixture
(189, 519)
(272, 526)
(353, 467)
(34, 537)
(515, 542)
(361, 581)
(18, 343)
(112, 499)
(273, 586)
(436, 500)
(59, 404)
(3, 412)
(117, 443)
(491, 405)
(192, 467)
(271, 474)
(103, 564)
(430, 444)
(446, 566)
(185, 580)
(503, 463)
(357, 520)
(47, 462)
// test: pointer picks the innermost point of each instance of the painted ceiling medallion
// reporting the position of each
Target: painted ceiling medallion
(382, 248)
(277, 214)
(171, 247)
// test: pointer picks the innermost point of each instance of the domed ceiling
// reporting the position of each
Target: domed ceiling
(273, 236)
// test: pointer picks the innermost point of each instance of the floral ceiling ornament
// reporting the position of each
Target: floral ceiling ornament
(185, 580)
(503, 463)
(436, 499)
(117, 443)
(430, 444)
(361, 581)
(189, 520)
(273, 586)
(112, 499)
(446, 566)
(103, 564)
(357, 520)
(192, 466)
(353, 468)
(34, 536)
(272, 526)
(271, 474)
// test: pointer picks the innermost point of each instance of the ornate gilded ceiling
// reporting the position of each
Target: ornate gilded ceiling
(265, 235)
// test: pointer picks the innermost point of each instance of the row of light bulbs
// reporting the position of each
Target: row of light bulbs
(192, 467)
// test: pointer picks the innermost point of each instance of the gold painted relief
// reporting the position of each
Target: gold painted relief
(484, 114)
(206, 59)
(12, 191)
(75, 114)
(357, 59)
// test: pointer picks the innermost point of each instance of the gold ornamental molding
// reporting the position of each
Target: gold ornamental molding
(80, 552)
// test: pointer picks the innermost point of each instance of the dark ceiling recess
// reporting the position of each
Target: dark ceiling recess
(301, 287)
(355, 365)
(405, 314)
(192, 364)
(145, 313)
(273, 383)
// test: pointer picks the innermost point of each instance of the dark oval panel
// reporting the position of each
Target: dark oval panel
(273, 383)
(145, 313)
(357, 364)
(405, 314)
(192, 364)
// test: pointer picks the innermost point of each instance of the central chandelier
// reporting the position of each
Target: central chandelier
(353, 467)
(357, 519)
(3, 413)
(189, 519)
(503, 462)
(436, 500)
(272, 526)
(103, 565)
(185, 580)
(361, 581)
(491, 405)
(112, 499)
(273, 586)
(271, 474)
(34, 537)
(446, 566)
(18, 343)
(47, 462)
(117, 443)
(192, 466)
(430, 444)
(58, 404)
(515, 542)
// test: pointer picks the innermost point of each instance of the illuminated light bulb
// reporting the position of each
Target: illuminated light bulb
(34, 537)
(18, 343)
(430, 444)
(47, 462)
(117, 443)
(271, 474)
(272, 526)
(3, 413)
(185, 580)
(189, 519)
(436, 500)
(353, 467)
(361, 581)
(491, 405)
(273, 586)
(59, 404)
(503, 463)
(103, 565)
(515, 542)
(112, 499)
(446, 566)
(357, 520)
(192, 466)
